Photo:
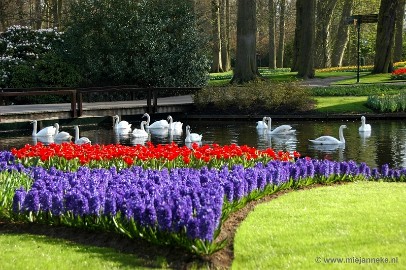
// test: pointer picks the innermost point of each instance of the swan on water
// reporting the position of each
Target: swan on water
(192, 137)
(157, 124)
(174, 125)
(364, 127)
(262, 124)
(283, 129)
(121, 127)
(329, 139)
(140, 132)
(46, 131)
(61, 135)
(82, 140)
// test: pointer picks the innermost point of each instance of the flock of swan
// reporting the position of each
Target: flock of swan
(265, 124)
(121, 128)
(124, 128)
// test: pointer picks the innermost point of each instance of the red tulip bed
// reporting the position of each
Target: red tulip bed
(165, 194)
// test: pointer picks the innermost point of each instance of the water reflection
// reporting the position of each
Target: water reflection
(385, 144)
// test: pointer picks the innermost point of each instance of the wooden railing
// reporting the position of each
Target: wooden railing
(76, 95)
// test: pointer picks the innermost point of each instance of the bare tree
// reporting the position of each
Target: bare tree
(383, 62)
(324, 17)
(272, 43)
(342, 35)
(281, 45)
(400, 16)
(216, 38)
(246, 65)
(303, 61)
(225, 34)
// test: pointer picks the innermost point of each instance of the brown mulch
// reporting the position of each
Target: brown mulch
(176, 258)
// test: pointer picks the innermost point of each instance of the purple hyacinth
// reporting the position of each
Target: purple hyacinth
(18, 199)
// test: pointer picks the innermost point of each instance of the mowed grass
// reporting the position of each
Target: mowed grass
(28, 251)
(304, 229)
(342, 104)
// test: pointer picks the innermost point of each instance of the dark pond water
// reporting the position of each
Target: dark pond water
(386, 144)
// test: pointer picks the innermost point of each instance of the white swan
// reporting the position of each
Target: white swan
(82, 140)
(262, 124)
(157, 124)
(174, 125)
(192, 137)
(61, 135)
(364, 127)
(140, 132)
(46, 131)
(121, 127)
(283, 129)
(329, 139)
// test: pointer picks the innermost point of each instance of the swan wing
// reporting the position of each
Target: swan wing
(325, 140)
(283, 129)
(139, 133)
(83, 140)
(63, 136)
(47, 131)
(261, 125)
(365, 128)
(159, 124)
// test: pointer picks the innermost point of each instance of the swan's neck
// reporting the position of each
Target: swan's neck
(76, 133)
(269, 124)
(170, 120)
(34, 131)
(341, 135)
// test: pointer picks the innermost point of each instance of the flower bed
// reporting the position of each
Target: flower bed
(183, 205)
(399, 74)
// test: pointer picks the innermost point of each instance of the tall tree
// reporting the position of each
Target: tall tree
(281, 45)
(342, 35)
(225, 34)
(216, 65)
(322, 46)
(303, 61)
(246, 65)
(272, 43)
(400, 16)
(383, 62)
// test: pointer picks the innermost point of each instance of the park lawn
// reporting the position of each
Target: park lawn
(342, 104)
(368, 78)
(31, 251)
(304, 229)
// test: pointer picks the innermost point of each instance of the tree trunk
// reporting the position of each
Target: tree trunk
(400, 15)
(324, 15)
(281, 46)
(272, 23)
(342, 36)
(383, 62)
(305, 40)
(38, 15)
(246, 69)
(216, 64)
(55, 13)
(225, 35)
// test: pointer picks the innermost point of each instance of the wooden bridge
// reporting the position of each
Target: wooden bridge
(77, 109)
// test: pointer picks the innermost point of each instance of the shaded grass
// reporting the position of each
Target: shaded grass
(28, 251)
(342, 104)
(361, 219)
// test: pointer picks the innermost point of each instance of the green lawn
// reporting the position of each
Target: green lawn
(27, 251)
(342, 104)
(305, 229)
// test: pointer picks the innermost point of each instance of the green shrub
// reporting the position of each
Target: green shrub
(388, 103)
(146, 43)
(254, 98)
